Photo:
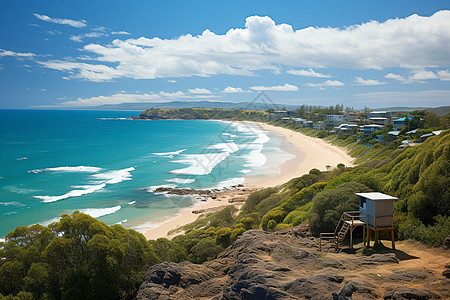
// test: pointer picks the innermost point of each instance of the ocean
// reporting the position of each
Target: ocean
(101, 163)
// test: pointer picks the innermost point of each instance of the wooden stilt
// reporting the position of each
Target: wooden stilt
(369, 233)
(393, 239)
(364, 235)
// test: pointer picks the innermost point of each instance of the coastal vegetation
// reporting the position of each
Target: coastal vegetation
(81, 257)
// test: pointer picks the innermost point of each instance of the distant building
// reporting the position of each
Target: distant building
(298, 120)
(308, 124)
(378, 114)
(380, 120)
(400, 122)
(352, 117)
(346, 128)
(334, 120)
(319, 126)
(369, 129)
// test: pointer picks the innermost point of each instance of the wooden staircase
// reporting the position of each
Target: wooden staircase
(348, 222)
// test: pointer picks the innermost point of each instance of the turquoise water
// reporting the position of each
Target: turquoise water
(55, 162)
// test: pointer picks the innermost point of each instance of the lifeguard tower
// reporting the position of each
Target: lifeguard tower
(377, 212)
(375, 215)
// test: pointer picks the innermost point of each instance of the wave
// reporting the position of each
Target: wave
(230, 135)
(229, 183)
(87, 189)
(245, 171)
(230, 147)
(131, 203)
(99, 212)
(200, 164)
(48, 222)
(113, 118)
(2, 241)
(181, 180)
(85, 169)
(12, 203)
(17, 190)
(262, 138)
(121, 222)
(255, 159)
(22, 158)
(115, 176)
(170, 154)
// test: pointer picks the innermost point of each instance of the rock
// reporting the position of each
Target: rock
(409, 276)
(237, 199)
(446, 272)
(409, 293)
(447, 242)
(352, 287)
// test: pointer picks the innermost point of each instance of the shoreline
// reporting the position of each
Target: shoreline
(309, 153)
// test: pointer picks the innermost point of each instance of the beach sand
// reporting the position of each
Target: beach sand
(309, 153)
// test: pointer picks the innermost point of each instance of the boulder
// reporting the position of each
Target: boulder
(403, 293)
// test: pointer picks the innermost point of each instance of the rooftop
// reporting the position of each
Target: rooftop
(376, 196)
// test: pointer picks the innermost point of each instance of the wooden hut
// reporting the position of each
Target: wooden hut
(377, 211)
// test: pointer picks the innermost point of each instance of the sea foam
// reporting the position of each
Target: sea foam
(230, 147)
(170, 154)
(86, 169)
(200, 164)
(98, 212)
(180, 180)
(116, 176)
(229, 183)
(87, 189)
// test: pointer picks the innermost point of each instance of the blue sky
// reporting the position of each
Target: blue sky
(64, 54)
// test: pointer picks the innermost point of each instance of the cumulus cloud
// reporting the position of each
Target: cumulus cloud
(230, 90)
(280, 88)
(421, 76)
(16, 54)
(73, 23)
(414, 98)
(328, 83)
(413, 42)
(308, 73)
(199, 91)
(79, 38)
(120, 33)
(444, 75)
(396, 77)
(361, 81)
(124, 97)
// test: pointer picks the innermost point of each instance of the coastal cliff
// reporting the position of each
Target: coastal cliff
(287, 265)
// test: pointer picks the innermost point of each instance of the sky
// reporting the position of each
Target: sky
(68, 54)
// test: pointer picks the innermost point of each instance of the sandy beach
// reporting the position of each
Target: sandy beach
(309, 153)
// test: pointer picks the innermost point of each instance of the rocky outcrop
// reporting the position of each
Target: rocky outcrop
(281, 265)
(403, 293)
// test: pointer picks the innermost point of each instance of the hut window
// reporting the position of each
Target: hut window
(363, 203)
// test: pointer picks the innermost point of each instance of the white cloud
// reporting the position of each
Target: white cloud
(361, 81)
(413, 42)
(444, 75)
(199, 91)
(328, 83)
(396, 77)
(123, 97)
(280, 88)
(422, 75)
(230, 90)
(120, 33)
(73, 23)
(431, 98)
(15, 54)
(79, 38)
(309, 73)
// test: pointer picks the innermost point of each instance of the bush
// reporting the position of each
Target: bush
(282, 226)
(247, 222)
(223, 237)
(276, 215)
(236, 233)
(271, 225)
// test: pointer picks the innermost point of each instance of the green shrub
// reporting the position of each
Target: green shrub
(223, 237)
(282, 226)
(271, 225)
(236, 233)
(275, 215)
(248, 222)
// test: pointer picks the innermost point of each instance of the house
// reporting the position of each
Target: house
(400, 122)
(378, 114)
(334, 120)
(379, 120)
(368, 129)
(319, 126)
(346, 128)
(308, 124)
(298, 120)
